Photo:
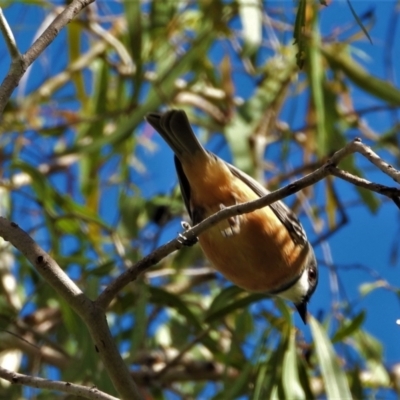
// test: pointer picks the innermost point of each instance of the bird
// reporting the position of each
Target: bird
(264, 251)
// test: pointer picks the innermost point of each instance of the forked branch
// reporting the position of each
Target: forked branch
(93, 313)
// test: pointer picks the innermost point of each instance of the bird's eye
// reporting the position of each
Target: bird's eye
(312, 274)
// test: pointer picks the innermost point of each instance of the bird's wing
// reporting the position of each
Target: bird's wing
(280, 209)
(184, 186)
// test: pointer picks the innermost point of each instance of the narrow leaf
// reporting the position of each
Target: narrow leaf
(290, 376)
(338, 59)
(336, 384)
(164, 298)
(348, 327)
(222, 309)
(298, 34)
(317, 77)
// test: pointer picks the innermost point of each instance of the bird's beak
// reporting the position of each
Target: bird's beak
(302, 309)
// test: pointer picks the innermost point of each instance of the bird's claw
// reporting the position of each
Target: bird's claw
(182, 239)
(234, 224)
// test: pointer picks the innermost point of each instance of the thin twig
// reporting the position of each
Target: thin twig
(132, 273)
(22, 62)
(364, 183)
(92, 313)
(82, 62)
(64, 387)
(8, 36)
(128, 65)
(354, 146)
(386, 168)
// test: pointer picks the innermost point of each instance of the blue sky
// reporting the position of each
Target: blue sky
(367, 239)
(365, 243)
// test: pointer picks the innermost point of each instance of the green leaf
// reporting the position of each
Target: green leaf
(162, 90)
(233, 389)
(270, 375)
(371, 350)
(317, 80)
(298, 34)
(285, 309)
(162, 297)
(336, 384)
(305, 379)
(369, 198)
(74, 49)
(348, 327)
(55, 203)
(367, 288)
(104, 268)
(223, 298)
(259, 382)
(226, 302)
(133, 11)
(290, 377)
(338, 59)
(266, 99)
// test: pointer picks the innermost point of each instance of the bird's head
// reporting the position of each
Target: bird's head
(303, 288)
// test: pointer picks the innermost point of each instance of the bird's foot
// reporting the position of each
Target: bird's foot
(182, 239)
(234, 224)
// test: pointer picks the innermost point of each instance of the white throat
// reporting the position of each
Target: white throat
(298, 291)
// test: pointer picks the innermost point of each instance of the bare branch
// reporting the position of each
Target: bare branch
(24, 343)
(193, 371)
(132, 273)
(65, 387)
(90, 313)
(22, 62)
(128, 66)
(364, 183)
(82, 62)
(386, 168)
(42, 262)
(8, 36)
(93, 312)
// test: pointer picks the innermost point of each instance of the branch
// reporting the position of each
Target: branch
(128, 66)
(390, 192)
(386, 168)
(65, 387)
(20, 62)
(90, 313)
(79, 64)
(93, 316)
(8, 37)
(356, 146)
(23, 342)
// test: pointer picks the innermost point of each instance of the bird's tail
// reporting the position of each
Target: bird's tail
(175, 129)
